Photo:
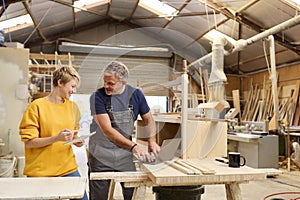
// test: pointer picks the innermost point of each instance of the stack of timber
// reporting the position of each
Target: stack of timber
(259, 105)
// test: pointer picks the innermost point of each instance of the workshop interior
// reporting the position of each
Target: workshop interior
(222, 76)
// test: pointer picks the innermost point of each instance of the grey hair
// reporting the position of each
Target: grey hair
(117, 68)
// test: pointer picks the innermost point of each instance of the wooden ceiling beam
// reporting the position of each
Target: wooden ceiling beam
(108, 8)
(179, 10)
(40, 33)
(134, 9)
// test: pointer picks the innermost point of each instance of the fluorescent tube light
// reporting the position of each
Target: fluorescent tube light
(116, 50)
(16, 23)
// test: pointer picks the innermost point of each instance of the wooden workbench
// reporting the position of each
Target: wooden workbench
(42, 188)
(165, 175)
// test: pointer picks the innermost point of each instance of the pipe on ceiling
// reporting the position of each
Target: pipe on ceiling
(241, 44)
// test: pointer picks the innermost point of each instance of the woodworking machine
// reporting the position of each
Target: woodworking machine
(250, 127)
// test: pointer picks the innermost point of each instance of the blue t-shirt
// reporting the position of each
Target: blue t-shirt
(119, 102)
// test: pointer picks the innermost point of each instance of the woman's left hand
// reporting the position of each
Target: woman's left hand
(79, 144)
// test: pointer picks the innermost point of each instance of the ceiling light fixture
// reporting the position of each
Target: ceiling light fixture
(159, 8)
(87, 4)
(116, 50)
(16, 23)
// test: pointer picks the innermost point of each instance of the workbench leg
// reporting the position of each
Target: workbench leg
(111, 190)
(233, 191)
(139, 193)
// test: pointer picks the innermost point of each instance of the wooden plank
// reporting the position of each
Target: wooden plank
(119, 176)
(165, 175)
(236, 102)
(207, 139)
(267, 104)
(248, 103)
(202, 169)
(254, 105)
(194, 170)
(180, 167)
(297, 115)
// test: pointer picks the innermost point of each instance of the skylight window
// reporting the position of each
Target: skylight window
(293, 3)
(16, 23)
(87, 4)
(214, 34)
(296, 2)
(159, 8)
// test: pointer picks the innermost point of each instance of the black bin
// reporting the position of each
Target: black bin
(178, 192)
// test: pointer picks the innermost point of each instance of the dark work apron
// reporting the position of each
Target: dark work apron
(107, 155)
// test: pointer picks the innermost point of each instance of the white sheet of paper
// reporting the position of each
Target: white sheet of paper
(80, 138)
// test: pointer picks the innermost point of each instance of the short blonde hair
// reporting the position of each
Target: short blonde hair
(65, 74)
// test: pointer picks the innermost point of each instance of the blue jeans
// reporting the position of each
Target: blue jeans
(76, 173)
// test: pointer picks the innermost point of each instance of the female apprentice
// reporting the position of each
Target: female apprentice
(47, 124)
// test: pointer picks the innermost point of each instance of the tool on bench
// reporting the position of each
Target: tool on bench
(222, 160)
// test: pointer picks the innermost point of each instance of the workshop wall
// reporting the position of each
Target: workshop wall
(13, 97)
(287, 75)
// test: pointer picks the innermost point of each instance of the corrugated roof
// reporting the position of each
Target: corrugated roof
(239, 19)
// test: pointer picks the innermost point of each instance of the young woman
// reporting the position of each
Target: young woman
(47, 124)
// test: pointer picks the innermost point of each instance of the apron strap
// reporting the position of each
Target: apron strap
(109, 107)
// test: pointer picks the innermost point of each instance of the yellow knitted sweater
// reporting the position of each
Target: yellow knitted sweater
(44, 119)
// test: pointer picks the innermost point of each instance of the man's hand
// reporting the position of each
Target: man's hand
(153, 147)
(142, 155)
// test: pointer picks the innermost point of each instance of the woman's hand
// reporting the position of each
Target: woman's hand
(78, 144)
(65, 135)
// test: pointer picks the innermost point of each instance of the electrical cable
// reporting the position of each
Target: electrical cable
(282, 193)
(266, 57)
(37, 25)
(206, 11)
